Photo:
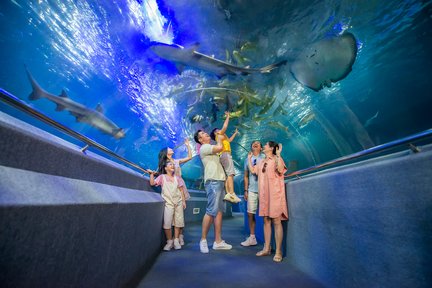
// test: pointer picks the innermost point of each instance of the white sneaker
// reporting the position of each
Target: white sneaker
(221, 246)
(181, 239)
(203, 246)
(237, 199)
(232, 198)
(177, 245)
(250, 241)
(168, 246)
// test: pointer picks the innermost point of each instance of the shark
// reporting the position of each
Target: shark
(319, 65)
(92, 117)
(182, 56)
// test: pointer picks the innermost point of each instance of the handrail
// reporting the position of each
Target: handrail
(17, 103)
(380, 148)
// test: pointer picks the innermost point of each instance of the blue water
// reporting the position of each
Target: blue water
(97, 51)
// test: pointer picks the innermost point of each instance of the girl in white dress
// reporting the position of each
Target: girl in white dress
(166, 154)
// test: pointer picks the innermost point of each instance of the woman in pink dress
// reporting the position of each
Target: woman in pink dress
(272, 200)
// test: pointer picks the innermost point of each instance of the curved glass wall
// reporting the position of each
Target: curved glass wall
(349, 75)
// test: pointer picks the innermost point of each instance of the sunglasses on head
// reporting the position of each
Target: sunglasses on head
(264, 167)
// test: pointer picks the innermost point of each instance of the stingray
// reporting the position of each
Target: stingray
(325, 61)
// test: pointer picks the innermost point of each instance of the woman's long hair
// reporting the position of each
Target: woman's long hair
(163, 159)
(273, 145)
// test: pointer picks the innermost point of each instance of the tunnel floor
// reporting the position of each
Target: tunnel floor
(238, 267)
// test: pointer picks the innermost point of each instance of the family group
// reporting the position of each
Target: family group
(264, 192)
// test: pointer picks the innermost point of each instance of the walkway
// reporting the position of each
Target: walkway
(237, 268)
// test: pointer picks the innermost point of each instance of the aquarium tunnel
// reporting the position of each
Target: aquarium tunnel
(92, 92)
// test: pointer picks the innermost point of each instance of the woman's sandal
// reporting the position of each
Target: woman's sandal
(263, 253)
(277, 258)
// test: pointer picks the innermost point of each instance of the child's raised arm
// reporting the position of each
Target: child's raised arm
(233, 135)
(225, 125)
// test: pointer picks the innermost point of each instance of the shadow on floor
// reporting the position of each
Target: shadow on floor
(238, 267)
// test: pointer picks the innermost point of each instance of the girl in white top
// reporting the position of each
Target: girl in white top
(175, 203)
(166, 154)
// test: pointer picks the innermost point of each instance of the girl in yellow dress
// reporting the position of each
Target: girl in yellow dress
(226, 159)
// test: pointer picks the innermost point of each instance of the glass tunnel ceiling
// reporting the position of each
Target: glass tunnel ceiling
(104, 55)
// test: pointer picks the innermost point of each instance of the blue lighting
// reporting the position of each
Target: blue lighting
(147, 17)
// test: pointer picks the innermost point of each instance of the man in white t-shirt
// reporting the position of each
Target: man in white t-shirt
(214, 183)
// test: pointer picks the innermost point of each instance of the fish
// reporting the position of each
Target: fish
(306, 119)
(190, 57)
(243, 126)
(16, 3)
(277, 124)
(92, 117)
(269, 101)
(280, 110)
(371, 120)
(325, 61)
(248, 46)
(280, 126)
(259, 118)
(227, 56)
(239, 59)
(197, 118)
(235, 114)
